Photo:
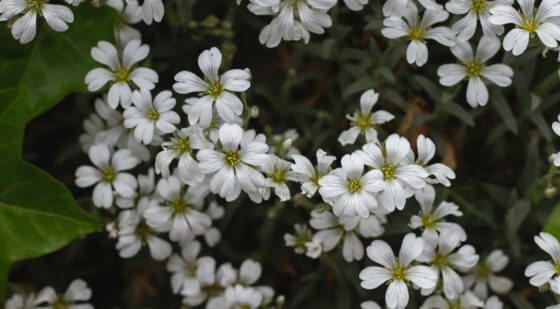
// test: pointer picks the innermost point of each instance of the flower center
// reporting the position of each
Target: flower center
(214, 88)
(244, 307)
(478, 6)
(179, 207)
(456, 304)
(354, 186)
(191, 269)
(363, 122)
(108, 175)
(428, 221)
(278, 175)
(315, 179)
(482, 271)
(59, 303)
(398, 272)
(35, 5)
(416, 33)
(440, 260)
(389, 171)
(557, 268)
(142, 230)
(121, 74)
(529, 24)
(181, 144)
(473, 69)
(153, 115)
(232, 158)
(302, 239)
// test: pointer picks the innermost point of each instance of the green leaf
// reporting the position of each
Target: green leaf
(37, 213)
(56, 63)
(361, 84)
(431, 89)
(514, 217)
(519, 301)
(503, 109)
(459, 112)
(552, 224)
(544, 127)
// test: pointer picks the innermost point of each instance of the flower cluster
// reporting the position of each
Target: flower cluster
(58, 16)
(162, 171)
(76, 295)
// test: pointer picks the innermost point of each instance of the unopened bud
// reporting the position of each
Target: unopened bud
(550, 191)
(551, 158)
(287, 144)
(280, 300)
(254, 111)
(248, 72)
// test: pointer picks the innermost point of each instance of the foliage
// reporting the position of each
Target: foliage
(38, 213)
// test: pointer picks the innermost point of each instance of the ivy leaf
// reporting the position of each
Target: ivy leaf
(56, 63)
(552, 224)
(38, 214)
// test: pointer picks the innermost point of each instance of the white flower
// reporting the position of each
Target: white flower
(24, 28)
(431, 220)
(527, 22)
(181, 146)
(248, 274)
(144, 195)
(279, 173)
(356, 5)
(281, 144)
(152, 10)
(555, 285)
(146, 115)
(93, 125)
(484, 275)
(397, 179)
(103, 127)
(232, 168)
(293, 21)
(134, 233)
(443, 260)
(190, 272)
(129, 14)
(212, 236)
(473, 69)
(214, 88)
(541, 272)
(122, 72)
(351, 191)
(332, 230)
(475, 10)
(313, 249)
(301, 237)
(556, 125)
(426, 151)
(370, 304)
(76, 294)
(179, 216)
(397, 271)
(107, 174)
(364, 121)
(309, 175)
(418, 31)
(493, 303)
(239, 297)
(466, 301)
(21, 302)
